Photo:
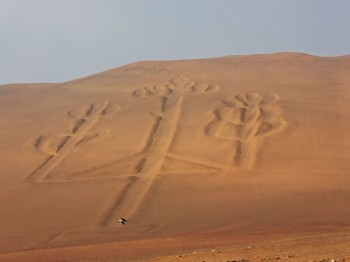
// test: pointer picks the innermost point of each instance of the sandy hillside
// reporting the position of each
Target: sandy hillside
(218, 150)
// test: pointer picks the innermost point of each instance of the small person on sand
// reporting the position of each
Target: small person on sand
(122, 220)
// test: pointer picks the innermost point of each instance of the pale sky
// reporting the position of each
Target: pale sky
(59, 40)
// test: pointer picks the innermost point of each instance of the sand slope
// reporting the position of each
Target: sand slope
(232, 145)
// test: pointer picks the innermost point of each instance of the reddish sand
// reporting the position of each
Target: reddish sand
(198, 154)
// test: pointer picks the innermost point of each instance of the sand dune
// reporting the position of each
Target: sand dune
(238, 145)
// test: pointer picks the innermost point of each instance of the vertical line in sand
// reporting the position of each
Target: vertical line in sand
(246, 149)
(134, 194)
(107, 215)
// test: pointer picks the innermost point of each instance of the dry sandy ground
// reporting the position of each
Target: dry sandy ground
(251, 146)
(331, 244)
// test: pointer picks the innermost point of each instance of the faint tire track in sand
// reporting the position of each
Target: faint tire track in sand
(203, 162)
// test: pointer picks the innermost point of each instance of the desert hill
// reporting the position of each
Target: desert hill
(237, 145)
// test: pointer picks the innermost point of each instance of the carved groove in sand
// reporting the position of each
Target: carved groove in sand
(149, 162)
(245, 120)
(58, 147)
(140, 169)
